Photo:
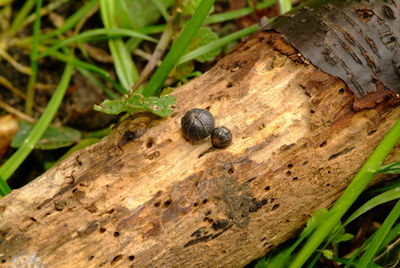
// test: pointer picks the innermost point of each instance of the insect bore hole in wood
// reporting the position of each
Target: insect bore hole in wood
(149, 143)
(274, 207)
(116, 259)
(167, 203)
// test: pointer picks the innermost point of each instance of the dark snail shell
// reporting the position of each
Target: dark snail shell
(197, 124)
(221, 137)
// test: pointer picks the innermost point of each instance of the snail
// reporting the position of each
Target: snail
(197, 124)
(221, 137)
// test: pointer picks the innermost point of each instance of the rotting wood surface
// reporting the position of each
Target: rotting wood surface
(156, 200)
(358, 41)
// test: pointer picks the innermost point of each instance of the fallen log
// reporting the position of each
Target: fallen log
(146, 197)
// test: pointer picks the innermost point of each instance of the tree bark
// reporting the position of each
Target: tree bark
(157, 200)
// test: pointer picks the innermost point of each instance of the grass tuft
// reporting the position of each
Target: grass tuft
(9, 167)
(154, 86)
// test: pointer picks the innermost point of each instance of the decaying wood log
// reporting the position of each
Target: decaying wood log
(157, 200)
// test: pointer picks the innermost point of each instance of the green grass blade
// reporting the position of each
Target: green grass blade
(370, 204)
(216, 18)
(359, 183)
(379, 236)
(16, 159)
(161, 8)
(391, 235)
(107, 92)
(21, 16)
(4, 188)
(89, 35)
(393, 168)
(90, 67)
(153, 29)
(73, 19)
(387, 186)
(62, 57)
(132, 44)
(230, 15)
(284, 6)
(30, 95)
(349, 262)
(178, 48)
(395, 232)
(376, 201)
(124, 66)
(217, 44)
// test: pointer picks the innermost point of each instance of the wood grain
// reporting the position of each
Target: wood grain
(161, 201)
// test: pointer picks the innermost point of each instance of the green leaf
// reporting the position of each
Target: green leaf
(203, 37)
(327, 254)
(314, 221)
(336, 234)
(181, 71)
(136, 14)
(189, 6)
(284, 6)
(53, 137)
(138, 103)
(342, 238)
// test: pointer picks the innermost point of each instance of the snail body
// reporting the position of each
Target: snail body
(221, 137)
(197, 124)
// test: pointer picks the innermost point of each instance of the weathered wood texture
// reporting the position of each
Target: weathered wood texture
(355, 40)
(162, 202)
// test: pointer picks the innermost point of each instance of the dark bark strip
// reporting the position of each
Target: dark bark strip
(357, 42)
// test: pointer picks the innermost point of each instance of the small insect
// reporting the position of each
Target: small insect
(221, 137)
(197, 124)
(129, 136)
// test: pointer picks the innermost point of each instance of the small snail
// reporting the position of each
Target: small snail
(197, 124)
(221, 137)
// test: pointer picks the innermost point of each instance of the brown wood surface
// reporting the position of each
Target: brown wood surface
(161, 201)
